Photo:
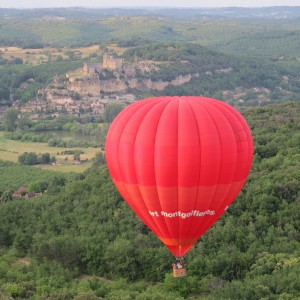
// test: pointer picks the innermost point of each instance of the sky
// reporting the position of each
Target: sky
(145, 3)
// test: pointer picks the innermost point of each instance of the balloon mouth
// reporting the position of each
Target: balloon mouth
(178, 247)
(177, 242)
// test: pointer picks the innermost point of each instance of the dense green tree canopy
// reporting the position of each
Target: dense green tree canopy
(111, 111)
(80, 239)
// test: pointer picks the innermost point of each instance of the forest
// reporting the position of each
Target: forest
(80, 240)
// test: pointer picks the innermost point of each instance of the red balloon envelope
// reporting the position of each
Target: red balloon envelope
(179, 162)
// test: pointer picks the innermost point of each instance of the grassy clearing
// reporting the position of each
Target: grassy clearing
(67, 167)
(86, 51)
(38, 56)
(117, 49)
(31, 56)
(11, 150)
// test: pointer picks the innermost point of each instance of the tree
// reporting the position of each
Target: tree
(59, 58)
(99, 159)
(38, 186)
(86, 296)
(10, 119)
(17, 61)
(4, 92)
(15, 290)
(5, 197)
(26, 158)
(45, 158)
(55, 184)
(76, 155)
(24, 123)
(120, 257)
(111, 111)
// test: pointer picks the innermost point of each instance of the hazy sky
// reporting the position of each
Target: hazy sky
(139, 3)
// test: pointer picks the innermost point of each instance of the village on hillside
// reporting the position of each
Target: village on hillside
(62, 97)
(86, 90)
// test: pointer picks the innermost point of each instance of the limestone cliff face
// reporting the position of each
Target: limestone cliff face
(93, 86)
(179, 80)
(113, 85)
(87, 86)
(155, 85)
(161, 85)
(147, 84)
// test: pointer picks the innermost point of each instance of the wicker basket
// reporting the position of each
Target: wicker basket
(179, 272)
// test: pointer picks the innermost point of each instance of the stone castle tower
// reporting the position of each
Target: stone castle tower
(111, 63)
(90, 69)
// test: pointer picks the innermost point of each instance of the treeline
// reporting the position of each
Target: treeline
(84, 227)
(29, 136)
(13, 175)
(87, 125)
(32, 158)
(82, 132)
(48, 131)
(72, 143)
(14, 61)
(51, 139)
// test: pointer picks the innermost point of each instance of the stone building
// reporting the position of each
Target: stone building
(111, 63)
(60, 100)
(90, 69)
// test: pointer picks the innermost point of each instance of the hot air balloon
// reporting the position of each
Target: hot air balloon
(179, 162)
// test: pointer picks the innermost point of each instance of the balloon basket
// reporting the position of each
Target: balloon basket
(179, 272)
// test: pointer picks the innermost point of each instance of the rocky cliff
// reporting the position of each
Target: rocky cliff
(93, 86)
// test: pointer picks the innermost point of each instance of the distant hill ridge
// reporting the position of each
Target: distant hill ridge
(273, 12)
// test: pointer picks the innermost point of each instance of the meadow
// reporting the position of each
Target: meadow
(10, 150)
(42, 55)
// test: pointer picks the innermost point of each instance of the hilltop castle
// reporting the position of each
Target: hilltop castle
(109, 62)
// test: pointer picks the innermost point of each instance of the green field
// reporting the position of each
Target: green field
(11, 150)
